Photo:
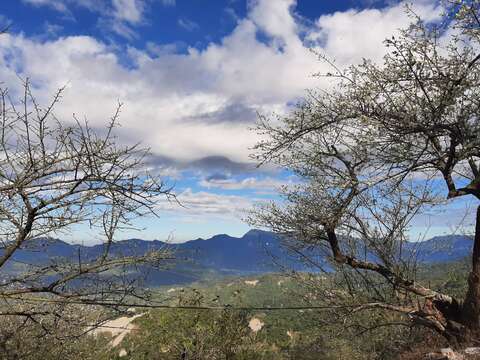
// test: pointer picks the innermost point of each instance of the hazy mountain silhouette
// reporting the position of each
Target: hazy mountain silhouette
(255, 252)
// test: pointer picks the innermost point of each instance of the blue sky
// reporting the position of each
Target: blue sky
(192, 75)
(186, 22)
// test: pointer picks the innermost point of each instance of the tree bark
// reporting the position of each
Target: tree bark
(471, 305)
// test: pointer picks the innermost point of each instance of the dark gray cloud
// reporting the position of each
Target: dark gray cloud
(222, 164)
(217, 177)
(211, 167)
(231, 113)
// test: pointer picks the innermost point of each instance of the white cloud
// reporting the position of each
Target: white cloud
(170, 98)
(352, 35)
(206, 204)
(58, 5)
(117, 16)
(130, 11)
(197, 104)
(275, 18)
(64, 6)
(187, 24)
(251, 183)
(52, 29)
(120, 28)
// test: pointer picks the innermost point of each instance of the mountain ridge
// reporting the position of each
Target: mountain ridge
(222, 254)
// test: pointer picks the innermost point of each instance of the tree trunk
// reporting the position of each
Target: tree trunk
(471, 305)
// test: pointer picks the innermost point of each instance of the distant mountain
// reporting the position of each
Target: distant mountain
(442, 248)
(196, 260)
(255, 252)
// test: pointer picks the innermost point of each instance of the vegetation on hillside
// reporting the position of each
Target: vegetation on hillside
(223, 332)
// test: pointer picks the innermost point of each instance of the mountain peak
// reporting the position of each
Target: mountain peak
(43, 242)
(221, 236)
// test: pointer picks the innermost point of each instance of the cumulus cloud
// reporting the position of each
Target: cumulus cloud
(275, 18)
(128, 10)
(198, 104)
(193, 107)
(352, 35)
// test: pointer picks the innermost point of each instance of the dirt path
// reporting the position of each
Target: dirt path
(117, 328)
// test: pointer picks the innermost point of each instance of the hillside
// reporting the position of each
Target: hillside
(269, 334)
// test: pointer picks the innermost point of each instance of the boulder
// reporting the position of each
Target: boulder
(450, 354)
(472, 351)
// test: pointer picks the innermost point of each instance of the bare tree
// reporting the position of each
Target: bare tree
(388, 143)
(55, 176)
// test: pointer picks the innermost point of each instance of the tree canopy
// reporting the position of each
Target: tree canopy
(56, 175)
(390, 141)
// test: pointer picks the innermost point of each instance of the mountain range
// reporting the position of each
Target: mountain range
(255, 252)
